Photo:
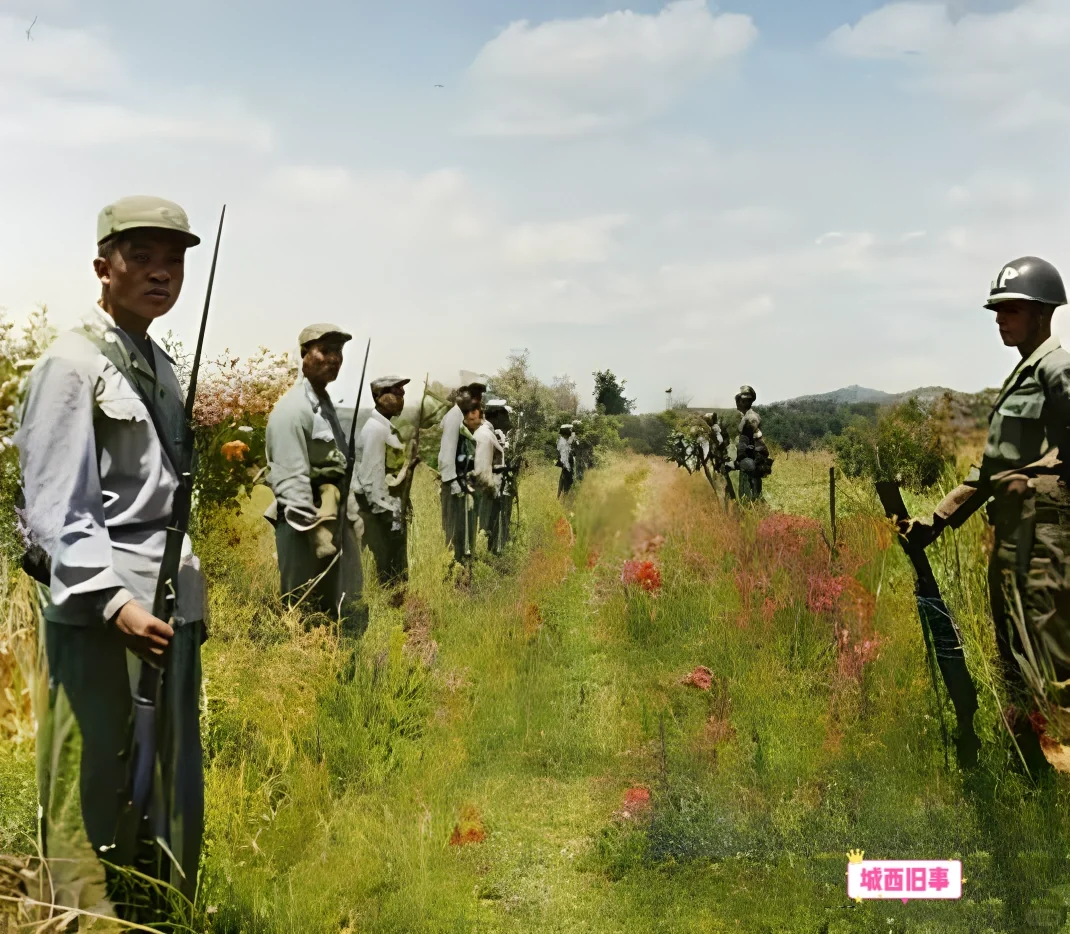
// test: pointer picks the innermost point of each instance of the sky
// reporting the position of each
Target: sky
(798, 196)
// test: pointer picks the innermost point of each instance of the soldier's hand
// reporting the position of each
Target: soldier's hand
(918, 532)
(144, 634)
(455, 488)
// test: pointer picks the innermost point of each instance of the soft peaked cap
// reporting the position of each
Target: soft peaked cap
(140, 212)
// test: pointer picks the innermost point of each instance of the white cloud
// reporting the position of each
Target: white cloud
(586, 240)
(1012, 65)
(68, 87)
(566, 77)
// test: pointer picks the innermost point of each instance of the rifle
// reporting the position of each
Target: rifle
(347, 483)
(407, 489)
(942, 638)
(163, 604)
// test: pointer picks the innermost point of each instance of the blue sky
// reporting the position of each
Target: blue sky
(794, 195)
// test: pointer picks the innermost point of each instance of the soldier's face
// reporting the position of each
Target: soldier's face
(322, 361)
(473, 419)
(391, 403)
(143, 275)
(1020, 322)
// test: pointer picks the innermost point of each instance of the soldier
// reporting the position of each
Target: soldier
(1023, 477)
(752, 456)
(564, 460)
(486, 474)
(385, 532)
(451, 493)
(464, 539)
(307, 457)
(499, 414)
(101, 428)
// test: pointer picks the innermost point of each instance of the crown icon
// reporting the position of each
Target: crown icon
(855, 856)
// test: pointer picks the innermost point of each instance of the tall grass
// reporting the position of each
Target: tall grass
(523, 752)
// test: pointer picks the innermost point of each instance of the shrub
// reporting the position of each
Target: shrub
(909, 444)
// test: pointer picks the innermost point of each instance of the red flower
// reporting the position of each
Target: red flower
(645, 574)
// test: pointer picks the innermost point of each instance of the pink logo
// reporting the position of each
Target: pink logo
(903, 878)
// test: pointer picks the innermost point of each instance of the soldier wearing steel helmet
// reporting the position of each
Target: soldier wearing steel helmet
(752, 456)
(1023, 479)
(105, 395)
(307, 453)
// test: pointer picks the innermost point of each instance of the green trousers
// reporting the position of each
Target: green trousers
(750, 486)
(459, 523)
(388, 547)
(84, 713)
(298, 565)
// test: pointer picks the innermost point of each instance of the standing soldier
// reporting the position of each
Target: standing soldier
(385, 531)
(451, 493)
(564, 460)
(1023, 477)
(307, 457)
(487, 472)
(499, 415)
(100, 438)
(752, 456)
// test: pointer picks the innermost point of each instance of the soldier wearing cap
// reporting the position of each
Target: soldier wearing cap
(106, 396)
(307, 457)
(564, 460)
(486, 474)
(499, 417)
(385, 532)
(752, 456)
(1023, 479)
(453, 495)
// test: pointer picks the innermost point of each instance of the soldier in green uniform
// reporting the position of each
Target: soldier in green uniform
(752, 457)
(1023, 479)
(307, 452)
(101, 428)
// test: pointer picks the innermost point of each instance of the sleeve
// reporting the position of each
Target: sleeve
(484, 466)
(372, 472)
(287, 452)
(447, 451)
(64, 511)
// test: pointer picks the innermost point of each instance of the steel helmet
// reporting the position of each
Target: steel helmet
(1028, 278)
(746, 391)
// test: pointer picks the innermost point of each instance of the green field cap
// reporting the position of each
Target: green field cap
(143, 211)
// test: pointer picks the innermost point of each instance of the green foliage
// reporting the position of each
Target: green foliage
(19, 349)
(909, 444)
(649, 433)
(609, 394)
(804, 425)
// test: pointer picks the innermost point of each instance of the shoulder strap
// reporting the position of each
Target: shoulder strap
(118, 355)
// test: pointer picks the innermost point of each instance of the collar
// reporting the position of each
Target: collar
(100, 322)
(465, 433)
(379, 417)
(1052, 343)
(311, 394)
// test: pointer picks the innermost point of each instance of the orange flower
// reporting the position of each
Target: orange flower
(235, 450)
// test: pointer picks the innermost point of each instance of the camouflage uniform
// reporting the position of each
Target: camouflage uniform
(751, 453)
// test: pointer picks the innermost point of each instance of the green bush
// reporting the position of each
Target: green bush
(909, 444)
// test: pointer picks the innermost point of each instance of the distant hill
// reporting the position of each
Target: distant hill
(854, 394)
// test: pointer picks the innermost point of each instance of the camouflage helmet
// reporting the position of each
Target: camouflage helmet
(746, 392)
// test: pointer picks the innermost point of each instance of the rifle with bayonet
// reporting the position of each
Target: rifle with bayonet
(143, 758)
(943, 642)
(343, 501)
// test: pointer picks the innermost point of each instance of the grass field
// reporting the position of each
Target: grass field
(523, 755)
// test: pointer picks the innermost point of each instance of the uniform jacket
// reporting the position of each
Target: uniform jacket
(489, 454)
(564, 452)
(98, 484)
(452, 422)
(305, 449)
(376, 435)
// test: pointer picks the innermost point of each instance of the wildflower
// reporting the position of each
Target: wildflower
(701, 677)
(645, 574)
(235, 450)
(469, 829)
(636, 802)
